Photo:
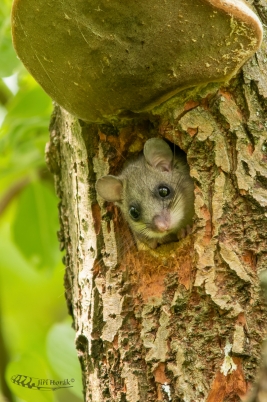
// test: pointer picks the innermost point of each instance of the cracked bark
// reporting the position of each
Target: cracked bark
(184, 322)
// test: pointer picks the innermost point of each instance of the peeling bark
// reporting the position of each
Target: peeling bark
(184, 322)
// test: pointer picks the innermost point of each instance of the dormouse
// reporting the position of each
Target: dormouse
(154, 192)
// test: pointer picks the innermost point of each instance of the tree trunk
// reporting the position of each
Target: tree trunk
(184, 322)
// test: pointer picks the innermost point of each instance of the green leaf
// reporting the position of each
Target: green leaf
(30, 101)
(35, 225)
(8, 58)
(28, 366)
(5, 93)
(24, 132)
(63, 356)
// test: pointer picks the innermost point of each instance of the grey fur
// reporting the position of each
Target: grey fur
(138, 185)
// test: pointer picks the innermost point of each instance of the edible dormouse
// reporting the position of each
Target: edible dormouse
(154, 192)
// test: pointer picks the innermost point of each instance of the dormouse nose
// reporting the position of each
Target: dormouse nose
(162, 222)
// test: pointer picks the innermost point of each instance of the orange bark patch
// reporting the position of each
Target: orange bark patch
(192, 131)
(152, 288)
(159, 393)
(190, 105)
(185, 274)
(208, 235)
(148, 273)
(96, 212)
(241, 319)
(102, 136)
(243, 192)
(250, 149)
(96, 268)
(160, 375)
(249, 258)
(205, 213)
(233, 384)
(225, 94)
(116, 342)
(111, 208)
(149, 268)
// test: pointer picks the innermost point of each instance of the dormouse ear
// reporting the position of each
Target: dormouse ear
(110, 188)
(158, 154)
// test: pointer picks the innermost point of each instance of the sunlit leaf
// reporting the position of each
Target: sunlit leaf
(24, 132)
(8, 59)
(63, 356)
(30, 102)
(35, 225)
(26, 371)
(5, 93)
(31, 300)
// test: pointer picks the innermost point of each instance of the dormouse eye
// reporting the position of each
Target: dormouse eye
(164, 191)
(134, 213)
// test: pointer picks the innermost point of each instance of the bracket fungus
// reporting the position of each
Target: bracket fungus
(100, 59)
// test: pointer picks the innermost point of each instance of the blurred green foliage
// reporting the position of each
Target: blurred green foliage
(36, 338)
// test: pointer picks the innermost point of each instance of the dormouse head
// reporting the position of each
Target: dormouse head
(154, 192)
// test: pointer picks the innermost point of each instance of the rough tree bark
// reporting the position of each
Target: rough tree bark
(184, 322)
